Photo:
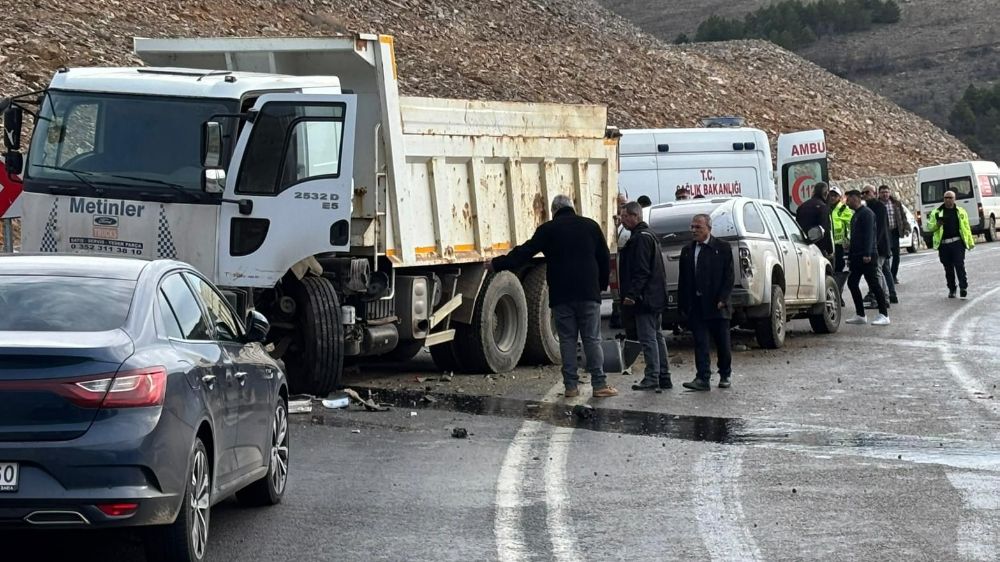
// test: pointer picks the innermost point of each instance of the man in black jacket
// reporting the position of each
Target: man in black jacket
(882, 242)
(703, 290)
(578, 267)
(863, 259)
(816, 212)
(644, 289)
(899, 225)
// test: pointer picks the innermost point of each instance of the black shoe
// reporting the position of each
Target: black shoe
(951, 293)
(964, 293)
(643, 385)
(893, 299)
(697, 384)
(666, 384)
(725, 382)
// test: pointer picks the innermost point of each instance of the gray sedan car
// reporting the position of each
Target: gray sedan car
(131, 394)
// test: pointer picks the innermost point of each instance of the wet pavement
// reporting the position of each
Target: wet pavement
(869, 444)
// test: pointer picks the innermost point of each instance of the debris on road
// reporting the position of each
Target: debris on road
(355, 431)
(429, 399)
(300, 404)
(583, 411)
(459, 433)
(369, 404)
(336, 402)
(413, 414)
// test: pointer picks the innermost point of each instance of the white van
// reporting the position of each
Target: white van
(733, 161)
(707, 161)
(975, 185)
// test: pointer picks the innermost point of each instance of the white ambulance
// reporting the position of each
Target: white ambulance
(975, 185)
(720, 161)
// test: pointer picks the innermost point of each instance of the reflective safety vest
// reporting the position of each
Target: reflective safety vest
(964, 230)
(841, 218)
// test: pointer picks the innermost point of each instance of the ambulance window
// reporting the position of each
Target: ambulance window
(962, 187)
(752, 221)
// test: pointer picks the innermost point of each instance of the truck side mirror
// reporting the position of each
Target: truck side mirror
(211, 144)
(13, 118)
(13, 163)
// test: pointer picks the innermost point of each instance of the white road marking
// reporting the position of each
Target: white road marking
(511, 545)
(718, 508)
(968, 383)
(977, 531)
(556, 498)
(513, 479)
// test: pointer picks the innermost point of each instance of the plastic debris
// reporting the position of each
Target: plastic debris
(459, 433)
(300, 404)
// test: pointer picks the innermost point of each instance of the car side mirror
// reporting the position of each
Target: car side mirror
(815, 234)
(257, 327)
(13, 119)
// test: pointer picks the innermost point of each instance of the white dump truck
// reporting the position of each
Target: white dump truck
(292, 173)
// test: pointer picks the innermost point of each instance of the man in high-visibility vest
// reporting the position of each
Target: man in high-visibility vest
(840, 218)
(952, 237)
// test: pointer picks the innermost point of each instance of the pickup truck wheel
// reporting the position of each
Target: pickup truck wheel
(542, 344)
(829, 321)
(494, 340)
(770, 331)
(315, 361)
(914, 242)
(991, 230)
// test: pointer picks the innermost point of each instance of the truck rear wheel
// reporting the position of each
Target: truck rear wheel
(829, 321)
(494, 341)
(541, 347)
(770, 331)
(315, 361)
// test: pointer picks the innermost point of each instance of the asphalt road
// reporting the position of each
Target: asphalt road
(875, 443)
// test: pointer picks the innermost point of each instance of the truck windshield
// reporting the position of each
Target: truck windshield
(122, 142)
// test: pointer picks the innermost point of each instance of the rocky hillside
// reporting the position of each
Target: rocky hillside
(538, 50)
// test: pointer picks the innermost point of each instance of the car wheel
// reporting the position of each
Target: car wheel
(770, 331)
(991, 230)
(186, 539)
(271, 487)
(829, 321)
(914, 242)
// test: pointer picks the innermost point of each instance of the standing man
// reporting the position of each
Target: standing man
(863, 259)
(578, 267)
(952, 237)
(615, 322)
(703, 289)
(682, 193)
(815, 212)
(882, 242)
(644, 290)
(897, 226)
(840, 218)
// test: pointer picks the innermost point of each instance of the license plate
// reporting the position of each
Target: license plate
(8, 476)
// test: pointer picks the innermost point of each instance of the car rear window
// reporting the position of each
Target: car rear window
(673, 222)
(63, 304)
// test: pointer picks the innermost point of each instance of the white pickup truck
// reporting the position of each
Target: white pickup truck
(291, 172)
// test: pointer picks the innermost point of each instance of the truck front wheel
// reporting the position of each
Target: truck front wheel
(494, 341)
(315, 360)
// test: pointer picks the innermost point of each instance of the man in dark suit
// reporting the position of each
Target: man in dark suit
(578, 269)
(883, 241)
(816, 212)
(644, 294)
(862, 257)
(703, 291)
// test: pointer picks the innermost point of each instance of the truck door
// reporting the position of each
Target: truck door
(289, 187)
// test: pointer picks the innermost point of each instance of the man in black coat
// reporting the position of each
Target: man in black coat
(862, 257)
(816, 212)
(883, 241)
(703, 290)
(578, 267)
(644, 290)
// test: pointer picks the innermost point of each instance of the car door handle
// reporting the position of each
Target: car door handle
(241, 377)
(209, 381)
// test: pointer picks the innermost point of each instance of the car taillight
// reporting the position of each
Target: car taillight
(127, 389)
(118, 509)
(746, 263)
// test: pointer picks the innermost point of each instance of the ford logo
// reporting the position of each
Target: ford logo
(106, 221)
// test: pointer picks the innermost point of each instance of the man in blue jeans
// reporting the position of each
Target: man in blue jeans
(644, 290)
(578, 265)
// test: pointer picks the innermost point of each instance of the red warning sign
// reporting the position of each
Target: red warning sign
(10, 189)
